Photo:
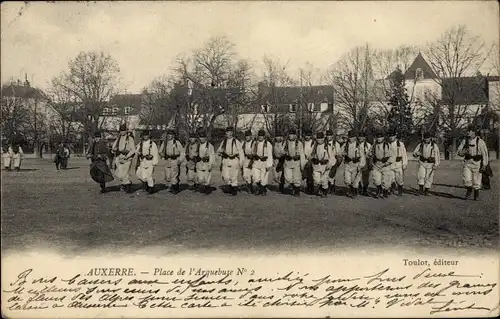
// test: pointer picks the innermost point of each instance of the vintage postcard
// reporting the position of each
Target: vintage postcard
(250, 159)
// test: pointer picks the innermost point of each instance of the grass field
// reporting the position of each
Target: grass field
(42, 207)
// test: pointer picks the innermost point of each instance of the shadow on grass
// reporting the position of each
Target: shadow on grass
(21, 170)
(452, 186)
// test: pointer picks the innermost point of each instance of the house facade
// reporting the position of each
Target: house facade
(121, 109)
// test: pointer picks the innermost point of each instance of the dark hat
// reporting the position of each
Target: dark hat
(193, 135)
(320, 135)
(392, 133)
(362, 134)
(329, 132)
(123, 127)
(427, 135)
(229, 129)
(97, 134)
(248, 133)
(292, 131)
(146, 132)
(279, 133)
(351, 133)
(261, 133)
(307, 132)
(379, 134)
(202, 134)
(171, 132)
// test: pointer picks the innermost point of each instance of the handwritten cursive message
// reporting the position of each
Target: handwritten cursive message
(428, 288)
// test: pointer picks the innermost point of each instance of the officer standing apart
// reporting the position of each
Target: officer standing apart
(173, 152)
(294, 162)
(354, 161)
(475, 154)
(400, 164)
(205, 164)
(307, 173)
(191, 159)
(429, 157)
(365, 171)
(279, 160)
(147, 158)
(322, 160)
(121, 148)
(263, 162)
(98, 153)
(232, 160)
(383, 157)
(248, 146)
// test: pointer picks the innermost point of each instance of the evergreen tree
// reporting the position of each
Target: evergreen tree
(400, 117)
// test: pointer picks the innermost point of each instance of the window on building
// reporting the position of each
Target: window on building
(293, 108)
(265, 108)
(114, 111)
(323, 107)
(419, 74)
(127, 110)
(105, 111)
(311, 107)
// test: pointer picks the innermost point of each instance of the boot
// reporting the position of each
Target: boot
(332, 188)
(355, 192)
(296, 192)
(258, 189)
(393, 189)
(151, 189)
(129, 188)
(476, 194)
(324, 192)
(469, 191)
(420, 189)
(400, 190)
(234, 191)
(18, 169)
(350, 192)
(103, 188)
(263, 190)
(145, 186)
(282, 188)
(379, 192)
(122, 187)
(426, 192)
(365, 190)
(317, 191)
(175, 188)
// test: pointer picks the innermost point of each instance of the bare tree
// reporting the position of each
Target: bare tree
(65, 126)
(15, 116)
(93, 79)
(352, 78)
(457, 57)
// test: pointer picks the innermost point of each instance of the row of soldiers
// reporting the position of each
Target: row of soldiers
(12, 157)
(315, 160)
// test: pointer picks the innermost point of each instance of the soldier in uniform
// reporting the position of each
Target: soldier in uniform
(354, 159)
(400, 164)
(147, 159)
(248, 146)
(307, 173)
(294, 162)
(62, 155)
(475, 154)
(15, 156)
(98, 153)
(365, 171)
(428, 155)
(205, 164)
(262, 162)
(123, 145)
(335, 148)
(383, 157)
(279, 160)
(232, 160)
(6, 157)
(322, 159)
(173, 152)
(192, 158)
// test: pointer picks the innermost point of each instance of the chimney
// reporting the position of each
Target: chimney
(26, 82)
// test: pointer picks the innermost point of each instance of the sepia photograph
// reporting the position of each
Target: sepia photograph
(258, 159)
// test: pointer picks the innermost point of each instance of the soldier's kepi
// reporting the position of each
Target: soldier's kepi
(122, 148)
(174, 154)
(232, 160)
(475, 154)
(98, 153)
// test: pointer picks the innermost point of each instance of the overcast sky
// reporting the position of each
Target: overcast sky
(144, 37)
